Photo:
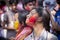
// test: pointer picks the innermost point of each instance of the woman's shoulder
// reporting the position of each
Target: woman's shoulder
(52, 36)
(29, 37)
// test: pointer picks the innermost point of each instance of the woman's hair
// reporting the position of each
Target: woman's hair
(45, 17)
(22, 17)
(58, 1)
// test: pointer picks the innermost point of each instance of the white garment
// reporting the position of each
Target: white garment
(2, 17)
(44, 36)
(3, 31)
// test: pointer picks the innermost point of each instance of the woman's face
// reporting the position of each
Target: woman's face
(31, 18)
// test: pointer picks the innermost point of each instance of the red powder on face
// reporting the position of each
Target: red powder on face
(27, 8)
(32, 19)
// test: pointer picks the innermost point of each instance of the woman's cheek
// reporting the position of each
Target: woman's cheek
(31, 21)
(28, 8)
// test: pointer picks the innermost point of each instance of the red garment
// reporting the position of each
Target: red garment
(24, 33)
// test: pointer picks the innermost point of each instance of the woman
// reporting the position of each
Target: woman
(36, 19)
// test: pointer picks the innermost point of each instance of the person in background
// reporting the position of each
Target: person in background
(50, 3)
(2, 23)
(9, 20)
(56, 22)
(20, 5)
(16, 21)
(2, 36)
(1, 12)
(29, 4)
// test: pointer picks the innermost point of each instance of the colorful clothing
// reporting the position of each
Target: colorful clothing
(57, 19)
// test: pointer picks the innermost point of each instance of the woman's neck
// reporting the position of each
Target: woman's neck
(38, 28)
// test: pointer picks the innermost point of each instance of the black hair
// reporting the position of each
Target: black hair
(58, 1)
(25, 2)
(45, 17)
(40, 3)
(13, 2)
(22, 17)
(2, 38)
(39, 11)
(2, 4)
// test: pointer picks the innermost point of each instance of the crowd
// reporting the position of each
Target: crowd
(30, 20)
